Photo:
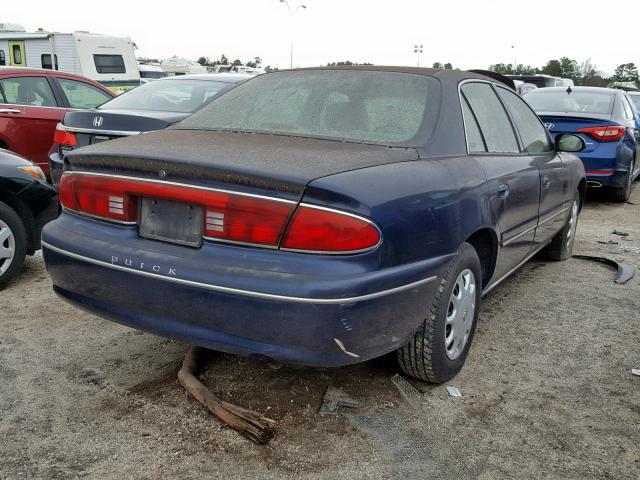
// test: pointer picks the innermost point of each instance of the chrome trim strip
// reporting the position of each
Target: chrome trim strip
(178, 184)
(119, 133)
(554, 215)
(242, 244)
(506, 275)
(513, 239)
(96, 217)
(247, 293)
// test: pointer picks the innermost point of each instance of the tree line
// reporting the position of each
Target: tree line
(255, 62)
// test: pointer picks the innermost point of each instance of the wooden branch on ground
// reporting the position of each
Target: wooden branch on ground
(252, 425)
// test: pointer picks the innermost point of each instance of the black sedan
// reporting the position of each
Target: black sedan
(320, 217)
(27, 203)
(152, 106)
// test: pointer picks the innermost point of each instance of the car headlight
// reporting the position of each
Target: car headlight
(35, 171)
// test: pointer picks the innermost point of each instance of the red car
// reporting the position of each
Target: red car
(33, 101)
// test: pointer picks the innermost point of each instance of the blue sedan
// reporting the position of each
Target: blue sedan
(320, 217)
(606, 121)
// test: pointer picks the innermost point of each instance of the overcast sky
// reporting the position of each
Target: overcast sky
(467, 33)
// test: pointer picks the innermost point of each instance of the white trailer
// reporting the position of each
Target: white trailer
(106, 59)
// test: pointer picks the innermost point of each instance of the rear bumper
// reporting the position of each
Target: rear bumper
(293, 308)
(606, 178)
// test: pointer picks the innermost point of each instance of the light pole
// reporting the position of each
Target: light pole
(515, 59)
(292, 12)
(418, 50)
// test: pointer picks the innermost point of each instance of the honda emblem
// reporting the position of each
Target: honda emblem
(97, 121)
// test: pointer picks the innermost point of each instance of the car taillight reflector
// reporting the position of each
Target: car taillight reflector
(605, 133)
(64, 137)
(228, 216)
(314, 229)
(98, 196)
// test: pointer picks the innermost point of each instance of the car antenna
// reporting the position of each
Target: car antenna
(569, 90)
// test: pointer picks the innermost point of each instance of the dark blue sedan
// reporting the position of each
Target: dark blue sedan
(320, 217)
(606, 121)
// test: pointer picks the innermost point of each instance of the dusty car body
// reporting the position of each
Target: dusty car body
(320, 217)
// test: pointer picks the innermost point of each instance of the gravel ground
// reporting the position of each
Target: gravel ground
(547, 390)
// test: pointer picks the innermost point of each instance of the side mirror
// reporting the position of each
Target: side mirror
(567, 142)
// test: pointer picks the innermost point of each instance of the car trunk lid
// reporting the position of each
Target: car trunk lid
(282, 165)
(571, 123)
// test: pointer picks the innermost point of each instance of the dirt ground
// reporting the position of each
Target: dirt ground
(547, 390)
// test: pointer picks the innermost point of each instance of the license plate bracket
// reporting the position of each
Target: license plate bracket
(170, 221)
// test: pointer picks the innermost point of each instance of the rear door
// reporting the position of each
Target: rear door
(29, 113)
(555, 197)
(513, 179)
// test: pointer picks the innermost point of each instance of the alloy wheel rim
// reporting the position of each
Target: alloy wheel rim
(7, 247)
(460, 314)
(573, 220)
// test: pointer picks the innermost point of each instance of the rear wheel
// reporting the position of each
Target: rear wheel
(561, 247)
(13, 244)
(439, 348)
(622, 194)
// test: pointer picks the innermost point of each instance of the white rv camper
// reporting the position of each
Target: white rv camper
(108, 60)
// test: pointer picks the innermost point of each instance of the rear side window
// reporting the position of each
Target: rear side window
(492, 118)
(109, 63)
(628, 112)
(45, 60)
(82, 95)
(532, 132)
(475, 142)
(32, 91)
(3, 58)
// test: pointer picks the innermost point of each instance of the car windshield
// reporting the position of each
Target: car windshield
(182, 96)
(570, 101)
(361, 106)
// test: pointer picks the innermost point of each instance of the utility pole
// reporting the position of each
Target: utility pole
(418, 50)
(292, 12)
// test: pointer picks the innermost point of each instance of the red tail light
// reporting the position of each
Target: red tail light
(229, 216)
(314, 229)
(605, 133)
(64, 137)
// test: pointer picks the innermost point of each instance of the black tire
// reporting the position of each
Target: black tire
(11, 222)
(622, 194)
(426, 357)
(561, 247)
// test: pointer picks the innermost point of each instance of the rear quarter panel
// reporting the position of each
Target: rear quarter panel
(424, 208)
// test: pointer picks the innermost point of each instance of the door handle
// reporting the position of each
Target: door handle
(546, 181)
(10, 110)
(503, 190)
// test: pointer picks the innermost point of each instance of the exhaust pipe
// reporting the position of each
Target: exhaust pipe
(593, 184)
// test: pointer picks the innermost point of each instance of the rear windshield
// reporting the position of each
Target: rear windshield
(362, 106)
(182, 96)
(561, 101)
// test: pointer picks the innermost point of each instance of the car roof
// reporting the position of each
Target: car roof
(26, 71)
(611, 91)
(212, 77)
(452, 76)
